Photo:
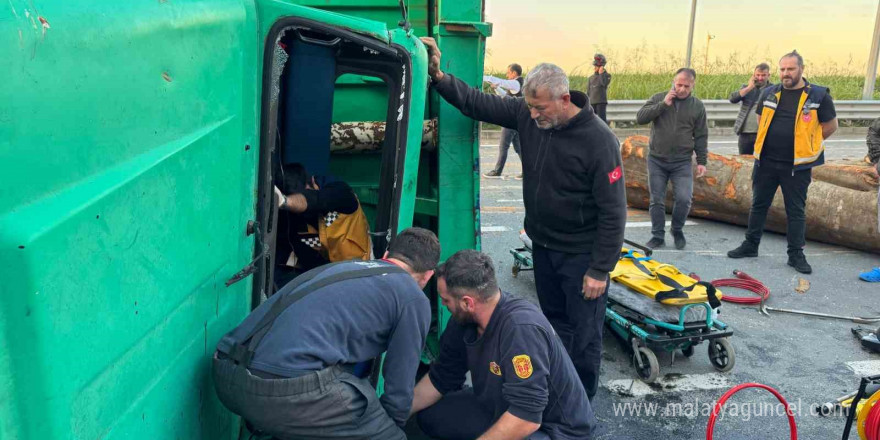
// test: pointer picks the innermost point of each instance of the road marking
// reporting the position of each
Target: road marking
(505, 209)
(670, 383)
(648, 224)
(485, 229)
(501, 187)
(864, 368)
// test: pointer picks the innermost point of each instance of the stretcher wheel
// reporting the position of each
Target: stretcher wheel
(689, 351)
(516, 268)
(650, 369)
(721, 354)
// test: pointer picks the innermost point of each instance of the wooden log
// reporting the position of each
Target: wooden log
(853, 174)
(356, 137)
(837, 214)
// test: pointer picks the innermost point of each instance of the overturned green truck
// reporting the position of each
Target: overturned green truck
(138, 147)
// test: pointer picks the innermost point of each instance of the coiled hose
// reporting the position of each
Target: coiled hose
(745, 282)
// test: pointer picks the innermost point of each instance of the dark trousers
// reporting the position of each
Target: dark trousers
(765, 181)
(599, 109)
(660, 173)
(559, 280)
(460, 416)
(326, 404)
(747, 143)
(508, 136)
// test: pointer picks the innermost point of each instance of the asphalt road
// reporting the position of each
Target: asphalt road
(809, 360)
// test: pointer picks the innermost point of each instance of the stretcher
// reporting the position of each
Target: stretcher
(646, 321)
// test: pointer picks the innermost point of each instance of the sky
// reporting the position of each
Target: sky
(829, 34)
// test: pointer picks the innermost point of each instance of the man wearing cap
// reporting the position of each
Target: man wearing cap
(597, 89)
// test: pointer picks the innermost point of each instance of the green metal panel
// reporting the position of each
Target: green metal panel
(461, 36)
(359, 98)
(385, 11)
(128, 152)
(123, 151)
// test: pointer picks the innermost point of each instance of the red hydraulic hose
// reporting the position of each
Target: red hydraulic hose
(745, 282)
(872, 423)
(720, 403)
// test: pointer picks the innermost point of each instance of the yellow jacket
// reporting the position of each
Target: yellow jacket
(809, 145)
(343, 236)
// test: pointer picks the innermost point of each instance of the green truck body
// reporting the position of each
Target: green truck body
(136, 171)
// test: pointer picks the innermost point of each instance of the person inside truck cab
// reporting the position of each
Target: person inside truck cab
(320, 221)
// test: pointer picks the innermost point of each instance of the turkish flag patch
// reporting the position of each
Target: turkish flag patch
(615, 175)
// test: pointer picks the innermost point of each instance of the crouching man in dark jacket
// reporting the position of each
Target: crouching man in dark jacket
(573, 192)
(289, 368)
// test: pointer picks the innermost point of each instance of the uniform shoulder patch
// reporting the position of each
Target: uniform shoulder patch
(495, 368)
(615, 175)
(522, 364)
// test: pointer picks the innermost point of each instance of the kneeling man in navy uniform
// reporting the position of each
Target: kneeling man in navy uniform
(524, 384)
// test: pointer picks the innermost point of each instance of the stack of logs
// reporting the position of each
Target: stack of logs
(841, 202)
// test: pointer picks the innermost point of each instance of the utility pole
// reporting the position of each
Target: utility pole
(687, 61)
(709, 37)
(871, 74)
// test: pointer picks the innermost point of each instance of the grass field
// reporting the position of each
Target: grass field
(630, 85)
(640, 72)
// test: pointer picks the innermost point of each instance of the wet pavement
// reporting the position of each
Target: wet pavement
(809, 360)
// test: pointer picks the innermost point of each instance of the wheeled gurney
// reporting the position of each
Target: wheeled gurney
(646, 325)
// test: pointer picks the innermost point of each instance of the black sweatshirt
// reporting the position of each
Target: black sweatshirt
(573, 186)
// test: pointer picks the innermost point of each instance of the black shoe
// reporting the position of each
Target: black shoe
(680, 242)
(492, 174)
(654, 243)
(799, 263)
(746, 249)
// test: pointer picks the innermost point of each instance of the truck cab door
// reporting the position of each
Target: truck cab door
(343, 96)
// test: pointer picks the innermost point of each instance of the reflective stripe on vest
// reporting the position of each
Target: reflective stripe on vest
(809, 144)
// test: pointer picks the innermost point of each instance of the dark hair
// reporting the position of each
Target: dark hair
(794, 54)
(469, 271)
(763, 67)
(516, 68)
(691, 72)
(417, 247)
(294, 178)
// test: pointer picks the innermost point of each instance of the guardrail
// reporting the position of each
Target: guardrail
(721, 110)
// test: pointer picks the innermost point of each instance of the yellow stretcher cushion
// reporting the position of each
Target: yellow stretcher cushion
(651, 277)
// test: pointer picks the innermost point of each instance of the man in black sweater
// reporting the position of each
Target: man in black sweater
(574, 196)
